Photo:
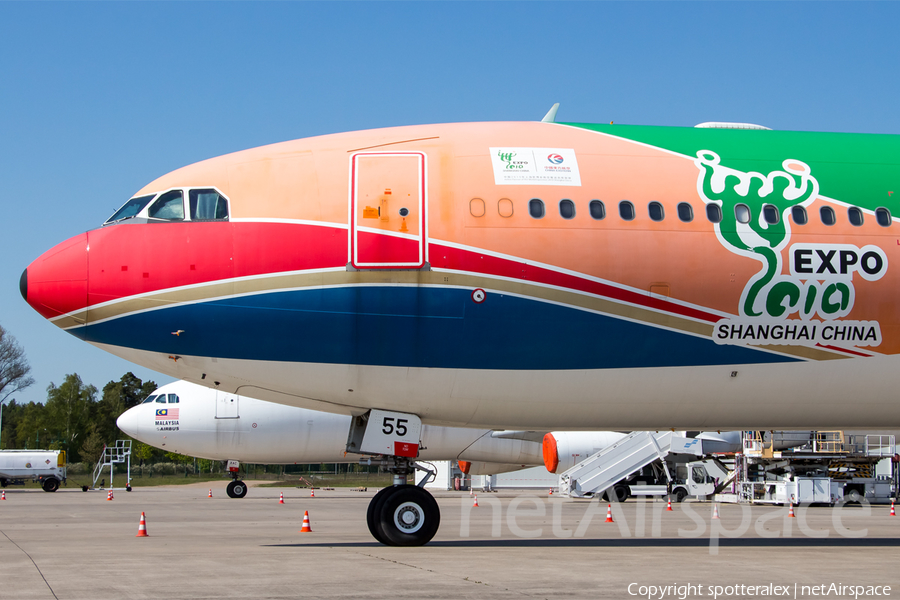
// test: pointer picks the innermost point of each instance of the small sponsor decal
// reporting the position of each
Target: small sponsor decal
(167, 419)
(478, 295)
(535, 166)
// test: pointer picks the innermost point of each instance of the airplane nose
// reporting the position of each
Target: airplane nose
(56, 282)
(129, 421)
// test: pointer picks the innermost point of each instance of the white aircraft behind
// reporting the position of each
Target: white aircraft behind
(197, 421)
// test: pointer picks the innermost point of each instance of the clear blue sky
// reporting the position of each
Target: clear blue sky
(97, 99)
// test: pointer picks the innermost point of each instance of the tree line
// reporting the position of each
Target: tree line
(76, 417)
(72, 418)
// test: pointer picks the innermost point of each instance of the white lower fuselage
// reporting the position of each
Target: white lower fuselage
(820, 395)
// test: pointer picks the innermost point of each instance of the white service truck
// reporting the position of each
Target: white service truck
(46, 466)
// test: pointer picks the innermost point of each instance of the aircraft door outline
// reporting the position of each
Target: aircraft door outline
(388, 200)
(226, 405)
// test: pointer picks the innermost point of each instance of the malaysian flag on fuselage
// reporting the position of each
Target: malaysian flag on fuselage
(166, 414)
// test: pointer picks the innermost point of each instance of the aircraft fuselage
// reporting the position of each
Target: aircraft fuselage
(513, 275)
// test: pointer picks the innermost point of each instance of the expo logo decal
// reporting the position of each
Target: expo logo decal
(819, 284)
(507, 157)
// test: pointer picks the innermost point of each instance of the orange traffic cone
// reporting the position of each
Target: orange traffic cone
(142, 528)
(306, 528)
(669, 504)
(471, 491)
(281, 499)
(210, 493)
(476, 501)
(715, 511)
(550, 493)
(109, 495)
(609, 518)
(791, 510)
(312, 492)
(893, 514)
(3, 495)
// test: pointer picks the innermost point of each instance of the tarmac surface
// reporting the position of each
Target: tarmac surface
(75, 545)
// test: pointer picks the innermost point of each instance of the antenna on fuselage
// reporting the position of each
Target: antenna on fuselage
(550, 117)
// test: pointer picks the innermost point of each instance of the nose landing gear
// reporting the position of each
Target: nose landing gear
(403, 514)
(237, 488)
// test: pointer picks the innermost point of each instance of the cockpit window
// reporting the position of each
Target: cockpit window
(169, 206)
(149, 399)
(130, 208)
(161, 399)
(173, 398)
(207, 205)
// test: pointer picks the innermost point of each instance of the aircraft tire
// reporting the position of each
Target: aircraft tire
(409, 516)
(236, 489)
(50, 484)
(619, 493)
(371, 514)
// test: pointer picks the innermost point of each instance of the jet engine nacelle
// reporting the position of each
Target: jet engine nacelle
(564, 449)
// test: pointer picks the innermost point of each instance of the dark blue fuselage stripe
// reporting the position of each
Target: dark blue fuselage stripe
(413, 327)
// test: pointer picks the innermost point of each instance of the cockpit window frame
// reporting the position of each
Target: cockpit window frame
(190, 194)
(152, 205)
(143, 215)
(147, 199)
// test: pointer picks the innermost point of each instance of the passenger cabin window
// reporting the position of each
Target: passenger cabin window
(770, 214)
(742, 213)
(173, 398)
(505, 208)
(597, 210)
(656, 211)
(798, 214)
(567, 209)
(855, 215)
(686, 212)
(149, 399)
(169, 207)
(476, 207)
(883, 216)
(536, 208)
(714, 213)
(826, 213)
(626, 210)
(207, 205)
(130, 208)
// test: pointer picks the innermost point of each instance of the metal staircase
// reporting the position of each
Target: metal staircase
(111, 456)
(599, 472)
